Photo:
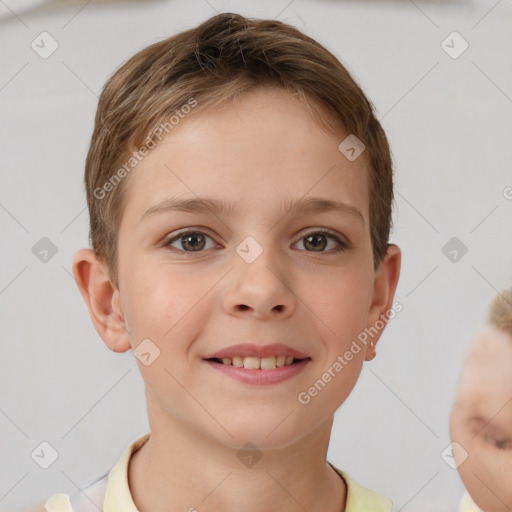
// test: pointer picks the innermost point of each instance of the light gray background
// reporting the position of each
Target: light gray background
(449, 124)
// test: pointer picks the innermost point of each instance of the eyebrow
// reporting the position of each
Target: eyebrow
(486, 423)
(300, 206)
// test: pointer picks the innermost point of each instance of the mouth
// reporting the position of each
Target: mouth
(251, 356)
(256, 363)
(259, 372)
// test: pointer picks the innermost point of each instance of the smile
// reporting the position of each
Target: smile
(256, 363)
(254, 374)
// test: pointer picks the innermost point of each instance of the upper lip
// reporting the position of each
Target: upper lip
(252, 350)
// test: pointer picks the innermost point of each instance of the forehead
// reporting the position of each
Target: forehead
(486, 378)
(264, 144)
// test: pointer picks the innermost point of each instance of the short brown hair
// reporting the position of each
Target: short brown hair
(223, 56)
(500, 312)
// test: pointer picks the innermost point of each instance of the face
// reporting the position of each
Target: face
(481, 421)
(257, 271)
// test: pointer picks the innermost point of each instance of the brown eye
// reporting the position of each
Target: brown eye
(189, 241)
(317, 241)
(195, 241)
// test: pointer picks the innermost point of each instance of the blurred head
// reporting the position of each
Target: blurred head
(481, 418)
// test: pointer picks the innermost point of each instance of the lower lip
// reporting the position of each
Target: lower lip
(261, 377)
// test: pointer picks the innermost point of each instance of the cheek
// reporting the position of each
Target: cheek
(487, 474)
(339, 304)
(483, 464)
(155, 304)
(503, 475)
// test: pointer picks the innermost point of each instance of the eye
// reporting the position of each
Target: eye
(195, 240)
(501, 444)
(319, 240)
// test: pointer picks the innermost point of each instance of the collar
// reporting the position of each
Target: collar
(118, 497)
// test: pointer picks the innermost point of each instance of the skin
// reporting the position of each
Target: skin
(481, 421)
(192, 304)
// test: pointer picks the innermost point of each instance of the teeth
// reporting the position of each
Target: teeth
(255, 363)
(268, 363)
(238, 361)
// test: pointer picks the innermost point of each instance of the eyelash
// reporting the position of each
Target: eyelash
(343, 246)
(502, 444)
(505, 444)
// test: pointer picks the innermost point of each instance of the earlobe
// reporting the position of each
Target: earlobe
(370, 351)
(102, 300)
(384, 287)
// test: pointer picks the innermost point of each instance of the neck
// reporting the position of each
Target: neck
(179, 468)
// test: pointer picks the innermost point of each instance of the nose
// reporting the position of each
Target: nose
(260, 289)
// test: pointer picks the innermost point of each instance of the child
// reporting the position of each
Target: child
(251, 137)
(481, 418)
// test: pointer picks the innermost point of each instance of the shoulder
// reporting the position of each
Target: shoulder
(106, 489)
(468, 505)
(361, 499)
(89, 499)
(58, 503)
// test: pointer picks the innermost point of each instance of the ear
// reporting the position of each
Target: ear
(384, 286)
(102, 299)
